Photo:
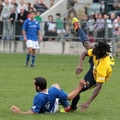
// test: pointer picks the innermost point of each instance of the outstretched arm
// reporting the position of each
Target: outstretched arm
(17, 110)
(80, 66)
(95, 93)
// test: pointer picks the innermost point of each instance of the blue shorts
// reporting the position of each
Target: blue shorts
(89, 76)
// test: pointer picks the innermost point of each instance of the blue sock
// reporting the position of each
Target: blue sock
(83, 37)
(27, 58)
(33, 59)
(64, 102)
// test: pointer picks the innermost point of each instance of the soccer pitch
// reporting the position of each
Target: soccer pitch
(16, 87)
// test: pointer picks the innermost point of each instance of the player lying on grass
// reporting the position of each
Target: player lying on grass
(46, 100)
(100, 67)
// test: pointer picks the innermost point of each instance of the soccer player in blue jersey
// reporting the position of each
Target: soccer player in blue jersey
(31, 33)
(46, 100)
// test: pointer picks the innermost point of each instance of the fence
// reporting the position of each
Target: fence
(13, 40)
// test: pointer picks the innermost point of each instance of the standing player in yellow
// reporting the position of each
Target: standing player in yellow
(100, 68)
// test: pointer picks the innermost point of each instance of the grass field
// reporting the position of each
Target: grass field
(16, 87)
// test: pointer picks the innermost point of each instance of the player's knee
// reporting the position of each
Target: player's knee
(30, 50)
(57, 86)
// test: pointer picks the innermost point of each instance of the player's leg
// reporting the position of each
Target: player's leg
(33, 57)
(82, 36)
(74, 94)
(77, 90)
(90, 83)
(64, 103)
(35, 46)
(28, 56)
(29, 52)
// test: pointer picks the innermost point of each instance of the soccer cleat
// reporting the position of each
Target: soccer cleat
(75, 23)
(68, 109)
(26, 64)
(65, 110)
(32, 65)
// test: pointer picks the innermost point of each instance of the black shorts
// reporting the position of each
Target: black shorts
(89, 76)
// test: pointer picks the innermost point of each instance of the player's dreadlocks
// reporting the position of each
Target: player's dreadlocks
(101, 49)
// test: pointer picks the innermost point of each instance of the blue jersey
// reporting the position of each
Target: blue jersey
(45, 102)
(31, 28)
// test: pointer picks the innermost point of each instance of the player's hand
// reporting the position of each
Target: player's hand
(15, 109)
(84, 107)
(79, 69)
(25, 39)
(40, 38)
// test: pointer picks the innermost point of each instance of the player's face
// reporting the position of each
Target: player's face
(36, 88)
(32, 16)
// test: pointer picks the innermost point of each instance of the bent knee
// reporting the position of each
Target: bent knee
(56, 85)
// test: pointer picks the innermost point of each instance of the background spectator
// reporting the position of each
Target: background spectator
(38, 17)
(84, 23)
(109, 25)
(12, 18)
(22, 16)
(50, 29)
(116, 25)
(15, 5)
(99, 26)
(5, 17)
(95, 16)
(117, 4)
(41, 7)
(51, 3)
(1, 23)
(70, 8)
(22, 5)
(112, 16)
(109, 5)
(29, 6)
(59, 24)
(90, 25)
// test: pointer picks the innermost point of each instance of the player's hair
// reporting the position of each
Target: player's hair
(101, 49)
(41, 82)
(58, 14)
(50, 16)
(32, 12)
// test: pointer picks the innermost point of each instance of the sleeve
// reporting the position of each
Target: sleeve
(24, 27)
(38, 26)
(36, 104)
(90, 52)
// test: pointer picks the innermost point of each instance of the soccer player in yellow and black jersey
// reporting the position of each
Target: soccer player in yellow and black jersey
(102, 69)
(101, 64)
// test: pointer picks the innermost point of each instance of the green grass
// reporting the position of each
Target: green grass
(16, 87)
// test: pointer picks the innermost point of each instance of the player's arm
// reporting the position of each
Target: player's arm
(24, 35)
(17, 110)
(93, 96)
(24, 30)
(80, 66)
(40, 35)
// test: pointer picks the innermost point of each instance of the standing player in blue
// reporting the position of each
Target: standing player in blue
(31, 33)
(45, 101)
